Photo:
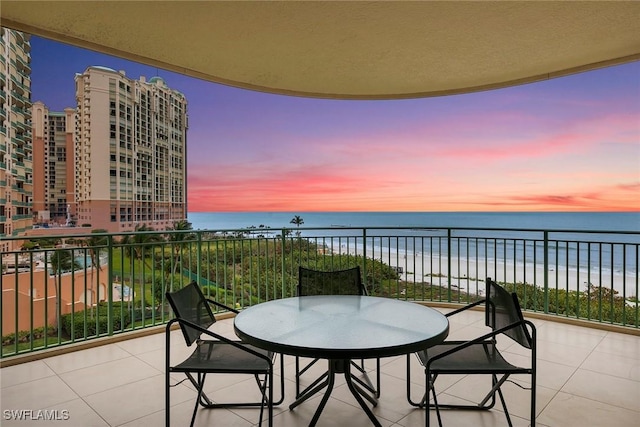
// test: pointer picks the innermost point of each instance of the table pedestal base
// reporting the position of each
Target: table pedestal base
(338, 366)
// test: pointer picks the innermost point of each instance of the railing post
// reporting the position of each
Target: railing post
(449, 265)
(110, 286)
(16, 302)
(546, 272)
(199, 258)
(2, 287)
(364, 258)
(283, 262)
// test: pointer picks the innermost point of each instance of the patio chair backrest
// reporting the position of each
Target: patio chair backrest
(338, 282)
(190, 304)
(503, 309)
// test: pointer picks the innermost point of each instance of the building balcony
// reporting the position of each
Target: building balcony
(23, 126)
(18, 87)
(587, 317)
(23, 65)
(19, 217)
(586, 377)
(24, 112)
(19, 37)
(21, 101)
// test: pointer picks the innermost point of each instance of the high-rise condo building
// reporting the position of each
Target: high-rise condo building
(130, 151)
(16, 168)
(53, 165)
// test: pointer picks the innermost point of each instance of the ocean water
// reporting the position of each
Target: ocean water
(517, 233)
(581, 221)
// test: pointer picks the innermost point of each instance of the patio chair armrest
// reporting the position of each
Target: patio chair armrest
(220, 305)
(466, 307)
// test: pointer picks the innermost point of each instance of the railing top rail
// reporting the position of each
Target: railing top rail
(257, 230)
(435, 228)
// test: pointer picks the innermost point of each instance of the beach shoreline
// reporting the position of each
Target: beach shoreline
(470, 275)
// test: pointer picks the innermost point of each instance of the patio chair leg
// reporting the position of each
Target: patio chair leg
(195, 409)
(411, 402)
(167, 400)
(533, 397)
(265, 386)
(431, 388)
(504, 406)
(203, 398)
(281, 398)
(435, 404)
(262, 386)
(492, 393)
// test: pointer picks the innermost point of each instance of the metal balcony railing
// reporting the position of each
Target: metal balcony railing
(77, 286)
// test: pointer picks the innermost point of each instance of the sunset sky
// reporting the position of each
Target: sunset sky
(568, 144)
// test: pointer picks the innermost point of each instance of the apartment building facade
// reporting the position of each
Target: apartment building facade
(130, 151)
(16, 158)
(53, 165)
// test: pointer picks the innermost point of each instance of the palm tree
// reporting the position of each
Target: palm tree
(93, 245)
(178, 241)
(140, 241)
(298, 221)
(61, 261)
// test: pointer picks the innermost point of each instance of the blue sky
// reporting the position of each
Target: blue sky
(568, 144)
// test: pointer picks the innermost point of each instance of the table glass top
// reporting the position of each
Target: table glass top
(341, 326)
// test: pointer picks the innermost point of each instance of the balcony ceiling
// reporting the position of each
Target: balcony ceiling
(350, 49)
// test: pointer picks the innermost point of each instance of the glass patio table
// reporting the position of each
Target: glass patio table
(340, 328)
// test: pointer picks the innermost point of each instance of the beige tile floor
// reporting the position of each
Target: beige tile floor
(586, 377)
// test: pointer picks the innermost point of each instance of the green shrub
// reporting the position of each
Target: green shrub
(26, 336)
(148, 313)
(73, 324)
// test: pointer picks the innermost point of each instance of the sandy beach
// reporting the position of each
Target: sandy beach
(469, 275)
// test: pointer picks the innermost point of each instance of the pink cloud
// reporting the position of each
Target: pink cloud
(620, 197)
(302, 189)
(509, 160)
